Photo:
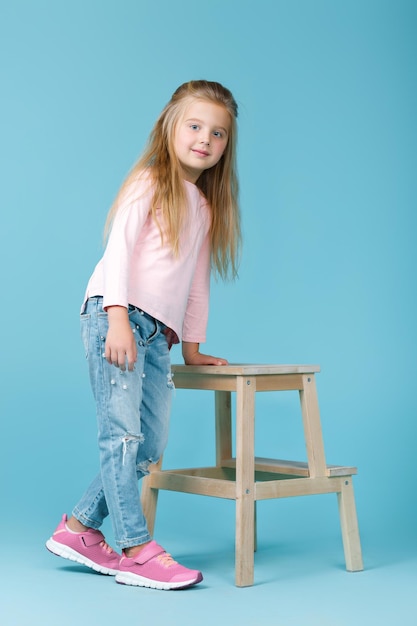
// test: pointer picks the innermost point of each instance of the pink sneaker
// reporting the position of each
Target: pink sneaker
(88, 548)
(153, 567)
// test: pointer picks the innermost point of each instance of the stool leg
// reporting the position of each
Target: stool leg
(149, 497)
(349, 525)
(223, 412)
(245, 480)
(312, 427)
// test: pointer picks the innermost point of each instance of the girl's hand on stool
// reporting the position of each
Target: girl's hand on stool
(192, 355)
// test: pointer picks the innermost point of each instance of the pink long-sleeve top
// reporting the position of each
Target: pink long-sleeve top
(138, 269)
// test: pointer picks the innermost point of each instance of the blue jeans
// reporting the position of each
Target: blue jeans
(133, 411)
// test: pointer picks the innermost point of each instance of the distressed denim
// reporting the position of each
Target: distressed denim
(133, 411)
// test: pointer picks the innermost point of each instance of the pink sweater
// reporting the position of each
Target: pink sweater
(137, 269)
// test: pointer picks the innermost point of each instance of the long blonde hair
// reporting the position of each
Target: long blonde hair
(219, 184)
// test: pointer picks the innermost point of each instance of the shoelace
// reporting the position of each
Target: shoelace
(106, 547)
(166, 559)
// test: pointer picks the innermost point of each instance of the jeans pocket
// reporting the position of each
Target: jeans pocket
(147, 326)
(85, 332)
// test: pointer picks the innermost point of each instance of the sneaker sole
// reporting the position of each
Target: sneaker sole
(66, 552)
(126, 578)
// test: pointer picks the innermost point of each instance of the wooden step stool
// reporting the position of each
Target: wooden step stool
(246, 478)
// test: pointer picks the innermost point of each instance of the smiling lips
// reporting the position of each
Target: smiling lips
(201, 152)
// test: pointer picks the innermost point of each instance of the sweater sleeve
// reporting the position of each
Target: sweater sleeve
(196, 314)
(128, 223)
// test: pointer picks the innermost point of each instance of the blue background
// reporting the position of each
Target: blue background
(327, 92)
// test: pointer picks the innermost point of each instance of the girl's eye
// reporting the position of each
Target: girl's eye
(218, 133)
(194, 126)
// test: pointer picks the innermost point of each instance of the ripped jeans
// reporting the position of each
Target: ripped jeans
(133, 411)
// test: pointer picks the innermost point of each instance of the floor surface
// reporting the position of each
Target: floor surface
(300, 580)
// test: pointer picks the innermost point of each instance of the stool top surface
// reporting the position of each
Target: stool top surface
(245, 369)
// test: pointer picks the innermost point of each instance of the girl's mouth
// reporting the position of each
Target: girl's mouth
(200, 152)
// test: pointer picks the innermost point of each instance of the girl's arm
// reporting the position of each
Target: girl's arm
(127, 226)
(192, 355)
(120, 341)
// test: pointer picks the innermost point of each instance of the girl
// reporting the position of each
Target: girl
(175, 216)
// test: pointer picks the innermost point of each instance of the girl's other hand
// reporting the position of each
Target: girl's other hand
(192, 356)
(120, 340)
(206, 359)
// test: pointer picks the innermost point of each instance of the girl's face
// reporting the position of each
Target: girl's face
(201, 137)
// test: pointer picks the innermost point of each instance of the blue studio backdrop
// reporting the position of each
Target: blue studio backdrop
(327, 160)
